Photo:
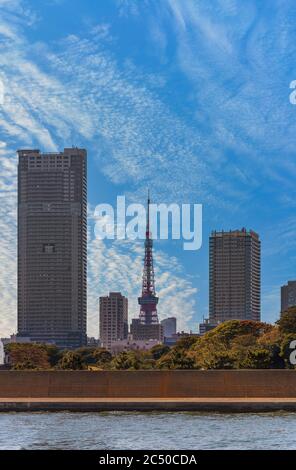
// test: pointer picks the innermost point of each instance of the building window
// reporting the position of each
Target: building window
(48, 248)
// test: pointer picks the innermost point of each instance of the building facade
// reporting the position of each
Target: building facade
(234, 276)
(169, 326)
(113, 319)
(288, 295)
(52, 246)
(206, 326)
(130, 344)
(146, 331)
(171, 341)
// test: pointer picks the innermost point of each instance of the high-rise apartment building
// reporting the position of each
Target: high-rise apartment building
(52, 246)
(288, 295)
(234, 276)
(113, 319)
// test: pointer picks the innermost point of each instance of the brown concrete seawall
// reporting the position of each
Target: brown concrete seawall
(179, 390)
(149, 384)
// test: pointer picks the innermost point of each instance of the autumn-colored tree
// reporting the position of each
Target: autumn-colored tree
(25, 356)
(230, 330)
(228, 345)
(212, 355)
(271, 337)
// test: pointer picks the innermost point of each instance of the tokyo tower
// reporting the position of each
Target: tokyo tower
(148, 300)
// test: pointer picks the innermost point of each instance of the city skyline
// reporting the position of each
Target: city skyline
(53, 193)
(194, 116)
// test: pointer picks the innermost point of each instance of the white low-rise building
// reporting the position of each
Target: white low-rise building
(130, 344)
(1, 353)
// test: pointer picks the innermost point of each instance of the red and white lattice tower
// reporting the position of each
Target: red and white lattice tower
(148, 300)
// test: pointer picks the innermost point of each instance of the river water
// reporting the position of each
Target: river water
(123, 430)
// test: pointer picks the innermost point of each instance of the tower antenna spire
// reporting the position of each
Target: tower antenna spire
(148, 216)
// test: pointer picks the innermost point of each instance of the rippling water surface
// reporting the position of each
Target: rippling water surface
(147, 431)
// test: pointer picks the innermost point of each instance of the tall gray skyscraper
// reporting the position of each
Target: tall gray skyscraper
(288, 295)
(234, 276)
(52, 246)
(113, 318)
(169, 326)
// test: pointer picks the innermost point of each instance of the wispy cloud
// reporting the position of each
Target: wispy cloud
(238, 50)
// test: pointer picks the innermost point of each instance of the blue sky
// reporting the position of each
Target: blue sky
(189, 98)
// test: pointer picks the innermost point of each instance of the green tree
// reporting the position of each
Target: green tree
(145, 360)
(213, 355)
(54, 354)
(176, 359)
(272, 340)
(126, 360)
(287, 322)
(230, 330)
(257, 358)
(102, 357)
(235, 344)
(87, 355)
(177, 356)
(159, 350)
(71, 360)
